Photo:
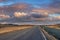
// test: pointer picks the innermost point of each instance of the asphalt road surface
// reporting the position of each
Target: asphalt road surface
(33, 33)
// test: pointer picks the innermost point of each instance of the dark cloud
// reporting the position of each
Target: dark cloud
(38, 16)
(55, 4)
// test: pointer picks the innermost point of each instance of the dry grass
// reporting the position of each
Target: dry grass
(9, 29)
(54, 26)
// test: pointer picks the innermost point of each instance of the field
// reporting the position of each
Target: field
(4, 28)
(53, 30)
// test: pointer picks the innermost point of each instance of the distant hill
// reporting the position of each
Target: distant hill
(7, 25)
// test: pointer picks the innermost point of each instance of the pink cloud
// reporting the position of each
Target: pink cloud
(3, 16)
(20, 14)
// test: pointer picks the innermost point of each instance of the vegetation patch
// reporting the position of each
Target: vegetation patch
(52, 31)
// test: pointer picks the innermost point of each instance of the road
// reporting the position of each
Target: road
(33, 33)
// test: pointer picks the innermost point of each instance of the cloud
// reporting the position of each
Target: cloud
(19, 14)
(57, 17)
(20, 6)
(46, 11)
(42, 11)
(54, 10)
(1, 0)
(24, 12)
(55, 4)
(3, 16)
(38, 16)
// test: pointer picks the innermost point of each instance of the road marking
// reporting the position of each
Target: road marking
(43, 34)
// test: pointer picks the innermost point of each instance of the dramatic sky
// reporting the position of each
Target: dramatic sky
(30, 11)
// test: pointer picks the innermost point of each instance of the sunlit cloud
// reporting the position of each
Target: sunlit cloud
(20, 14)
(57, 17)
(20, 5)
(3, 16)
(41, 11)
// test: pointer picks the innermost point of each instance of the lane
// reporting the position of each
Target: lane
(14, 34)
(33, 33)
